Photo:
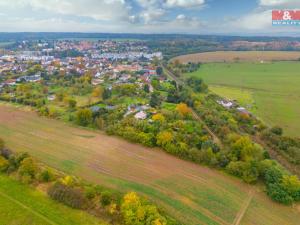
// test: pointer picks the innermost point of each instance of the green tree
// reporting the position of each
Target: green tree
(277, 193)
(106, 198)
(250, 172)
(72, 103)
(245, 150)
(84, 117)
(159, 70)
(146, 88)
(155, 100)
(46, 175)
(106, 94)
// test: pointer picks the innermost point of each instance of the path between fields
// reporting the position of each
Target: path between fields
(242, 212)
(212, 134)
(27, 208)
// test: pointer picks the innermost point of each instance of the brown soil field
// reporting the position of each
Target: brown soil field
(242, 56)
(191, 193)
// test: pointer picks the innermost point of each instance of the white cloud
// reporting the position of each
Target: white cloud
(184, 3)
(254, 21)
(152, 15)
(170, 3)
(154, 10)
(149, 3)
(181, 24)
(258, 22)
(181, 17)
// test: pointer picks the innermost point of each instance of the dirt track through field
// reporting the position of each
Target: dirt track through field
(243, 211)
(193, 194)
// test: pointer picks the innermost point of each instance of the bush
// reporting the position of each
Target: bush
(72, 197)
(235, 168)
(277, 130)
(6, 153)
(90, 192)
(28, 167)
(250, 172)
(20, 157)
(84, 117)
(46, 175)
(106, 198)
(3, 164)
(68, 181)
(277, 193)
(273, 175)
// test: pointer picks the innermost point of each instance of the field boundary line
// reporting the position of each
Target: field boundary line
(27, 208)
(242, 212)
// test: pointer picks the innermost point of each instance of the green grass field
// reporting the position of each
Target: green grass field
(22, 205)
(270, 90)
(191, 193)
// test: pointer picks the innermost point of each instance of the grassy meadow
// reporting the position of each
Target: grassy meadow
(270, 90)
(191, 193)
(21, 205)
(239, 56)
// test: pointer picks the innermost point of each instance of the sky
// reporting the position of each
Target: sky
(230, 17)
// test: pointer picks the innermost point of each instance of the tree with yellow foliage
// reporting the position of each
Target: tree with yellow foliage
(164, 138)
(158, 117)
(137, 211)
(98, 92)
(67, 181)
(291, 185)
(183, 109)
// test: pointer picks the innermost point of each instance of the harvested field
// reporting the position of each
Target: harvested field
(239, 56)
(191, 193)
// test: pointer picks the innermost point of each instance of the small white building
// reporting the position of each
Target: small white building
(226, 104)
(141, 115)
(51, 97)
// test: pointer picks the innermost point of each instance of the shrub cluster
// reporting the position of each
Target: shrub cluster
(72, 197)
(286, 146)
